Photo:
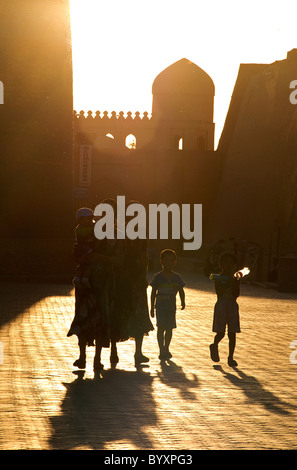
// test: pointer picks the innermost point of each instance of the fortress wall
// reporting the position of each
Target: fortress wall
(36, 136)
(256, 200)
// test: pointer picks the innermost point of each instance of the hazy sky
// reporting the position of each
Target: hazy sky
(120, 46)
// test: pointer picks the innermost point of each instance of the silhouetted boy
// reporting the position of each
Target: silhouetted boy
(226, 311)
(165, 286)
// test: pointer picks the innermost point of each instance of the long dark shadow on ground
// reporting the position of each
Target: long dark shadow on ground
(172, 375)
(115, 405)
(255, 392)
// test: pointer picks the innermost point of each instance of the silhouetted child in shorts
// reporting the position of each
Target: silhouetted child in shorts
(165, 285)
(226, 311)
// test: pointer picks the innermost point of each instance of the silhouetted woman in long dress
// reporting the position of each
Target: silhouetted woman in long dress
(94, 307)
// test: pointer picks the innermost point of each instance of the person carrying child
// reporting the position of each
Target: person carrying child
(93, 321)
(165, 285)
(226, 310)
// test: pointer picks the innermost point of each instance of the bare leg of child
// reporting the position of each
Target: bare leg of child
(160, 339)
(232, 343)
(168, 337)
(214, 351)
(164, 339)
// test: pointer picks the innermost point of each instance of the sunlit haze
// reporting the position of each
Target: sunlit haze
(119, 47)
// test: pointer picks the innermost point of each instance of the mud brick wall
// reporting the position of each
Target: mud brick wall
(36, 127)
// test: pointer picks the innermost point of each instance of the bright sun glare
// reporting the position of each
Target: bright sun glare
(120, 47)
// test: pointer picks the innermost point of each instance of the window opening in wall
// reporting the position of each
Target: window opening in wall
(130, 141)
(177, 142)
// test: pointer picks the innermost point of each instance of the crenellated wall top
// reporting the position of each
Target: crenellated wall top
(108, 116)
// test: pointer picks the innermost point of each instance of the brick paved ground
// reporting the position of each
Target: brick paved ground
(190, 403)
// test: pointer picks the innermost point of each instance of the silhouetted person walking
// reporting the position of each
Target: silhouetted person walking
(95, 321)
(165, 285)
(226, 311)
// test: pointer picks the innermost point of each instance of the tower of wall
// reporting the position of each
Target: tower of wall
(183, 103)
